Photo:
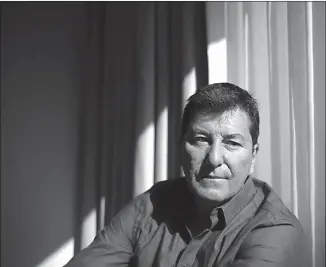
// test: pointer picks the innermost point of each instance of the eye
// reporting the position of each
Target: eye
(232, 143)
(199, 140)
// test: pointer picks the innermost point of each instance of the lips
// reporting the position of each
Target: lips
(212, 182)
(211, 177)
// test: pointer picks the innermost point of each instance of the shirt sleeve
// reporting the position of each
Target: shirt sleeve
(272, 246)
(113, 245)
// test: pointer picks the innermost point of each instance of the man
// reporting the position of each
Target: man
(218, 214)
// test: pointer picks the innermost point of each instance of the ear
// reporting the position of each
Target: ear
(253, 161)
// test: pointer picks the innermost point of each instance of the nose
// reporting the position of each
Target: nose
(216, 155)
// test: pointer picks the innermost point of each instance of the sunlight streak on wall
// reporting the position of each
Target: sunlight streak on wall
(189, 85)
(88, 229)
(144, 160)
(246, 43)
(102, 212)
(217, 61)
(216, 42)
(61, 256)
(161, 147)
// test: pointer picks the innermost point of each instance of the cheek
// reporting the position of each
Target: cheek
(240, 164)
(193, 157)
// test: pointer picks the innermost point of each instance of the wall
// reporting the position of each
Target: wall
(41, 53)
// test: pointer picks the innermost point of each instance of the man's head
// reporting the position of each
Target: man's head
(220, 129)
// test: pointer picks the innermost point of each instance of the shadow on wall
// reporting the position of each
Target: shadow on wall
(41, 52)
(43, 70)
(137, 63)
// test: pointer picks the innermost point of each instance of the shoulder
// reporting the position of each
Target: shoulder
(274, 232)
(167, 190)
(166, 194)
(147, 211)
(158, 199)
(273, 213)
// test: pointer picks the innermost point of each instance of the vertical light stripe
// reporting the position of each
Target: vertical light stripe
(280, 53)
(294, 158)
(311, 125)
(189, 85)
(162, 81)
(144, 160)
(145, 145)
(88, 229)
(216, 49)
(259, 85)
(217, 62)
(234, 31)
(246, 42)
(241, 52)
(102, 212)
(269, 39)
(161, 148)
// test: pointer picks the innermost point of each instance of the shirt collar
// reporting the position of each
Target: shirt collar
(229, 210)
(238, 202)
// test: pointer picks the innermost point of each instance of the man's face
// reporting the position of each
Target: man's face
(217, 154)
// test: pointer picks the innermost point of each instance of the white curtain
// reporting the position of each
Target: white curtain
(276, 50)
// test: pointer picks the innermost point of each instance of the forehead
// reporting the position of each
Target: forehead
(231, 121)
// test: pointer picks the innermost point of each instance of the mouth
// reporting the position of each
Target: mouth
(212, 182)
(214, 177)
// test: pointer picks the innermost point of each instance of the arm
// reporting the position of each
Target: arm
(272, 246)
(113, 245)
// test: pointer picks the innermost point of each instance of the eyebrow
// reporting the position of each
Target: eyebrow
(227, 136)
(234, 136)
(199, 131)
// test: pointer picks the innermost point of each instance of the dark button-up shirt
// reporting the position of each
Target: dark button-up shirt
(161, 228)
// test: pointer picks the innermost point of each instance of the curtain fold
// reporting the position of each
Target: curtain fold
(142, 62)
(300, 113)
(318, 75)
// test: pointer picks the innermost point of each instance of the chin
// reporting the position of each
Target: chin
(211, 194)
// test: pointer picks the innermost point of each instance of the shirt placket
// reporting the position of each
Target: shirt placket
(189, 254)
